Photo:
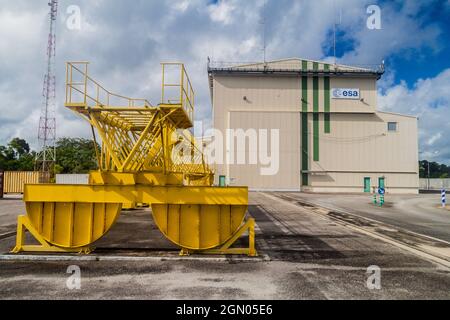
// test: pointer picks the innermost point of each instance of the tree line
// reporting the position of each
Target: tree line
(77, 155)
(73, 155)
(433, 170)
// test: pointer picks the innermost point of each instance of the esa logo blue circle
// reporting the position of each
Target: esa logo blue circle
(336, 93)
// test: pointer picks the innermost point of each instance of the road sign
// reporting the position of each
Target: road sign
(381, 191)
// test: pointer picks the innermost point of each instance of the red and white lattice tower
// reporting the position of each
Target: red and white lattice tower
(46, 157)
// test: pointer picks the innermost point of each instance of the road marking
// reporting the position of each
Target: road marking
(7, 235)
(320, 205)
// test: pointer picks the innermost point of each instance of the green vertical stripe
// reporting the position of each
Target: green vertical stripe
(327, 119)
(316, 136)
(326, 67)
(316, 94)
(305, 133)
(304, 94)
(316, 115)
(326, 88)
(304, 65)
(305, 148)
(315, 66)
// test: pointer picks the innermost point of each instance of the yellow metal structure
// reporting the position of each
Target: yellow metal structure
(147, 156)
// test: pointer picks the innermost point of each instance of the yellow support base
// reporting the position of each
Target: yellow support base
(225, 248)
(23, 224)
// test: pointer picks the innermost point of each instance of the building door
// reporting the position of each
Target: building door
(381, 183)
(366, 184)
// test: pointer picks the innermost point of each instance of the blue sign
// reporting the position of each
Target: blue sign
(381, 191)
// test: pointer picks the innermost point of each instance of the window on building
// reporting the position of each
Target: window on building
(392, 126)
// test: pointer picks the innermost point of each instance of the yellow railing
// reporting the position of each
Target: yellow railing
(178, 91)
(131, 130)
(197, 163)
(83, 90)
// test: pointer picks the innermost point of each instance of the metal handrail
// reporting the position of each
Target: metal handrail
(98, 88)
(224, 65)
(186, 91)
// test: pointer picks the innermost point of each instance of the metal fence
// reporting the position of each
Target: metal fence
(434, 184)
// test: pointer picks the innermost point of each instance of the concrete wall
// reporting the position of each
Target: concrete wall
(362, 143)
(434, 184)
(353, 182)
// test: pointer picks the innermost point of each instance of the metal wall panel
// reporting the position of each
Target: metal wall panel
(72, 179)
(356, 144)
(288, 175)
(15, 180)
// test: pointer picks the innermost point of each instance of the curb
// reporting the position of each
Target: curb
(62, 258)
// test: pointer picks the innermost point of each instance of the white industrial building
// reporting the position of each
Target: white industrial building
(332, 138)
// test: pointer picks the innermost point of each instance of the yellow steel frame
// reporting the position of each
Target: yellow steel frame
(137, 136)
(214, 213)
(182, 195)
(147, 156)
(24, 224)
(225, 248)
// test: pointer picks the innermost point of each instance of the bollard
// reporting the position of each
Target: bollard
(443, 200)
(375, 202)
(381, 200)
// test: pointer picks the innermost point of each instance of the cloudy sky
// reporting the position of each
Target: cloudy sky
(126, 40)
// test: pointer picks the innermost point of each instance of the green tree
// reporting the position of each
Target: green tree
(75, 155)
(16, 156)
(433, 170)
(19, 146)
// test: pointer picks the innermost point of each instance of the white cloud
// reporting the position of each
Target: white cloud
(125, 43)
(181, 5)
(429, 99)
(402, 32)
(431, 141)
(222, 11)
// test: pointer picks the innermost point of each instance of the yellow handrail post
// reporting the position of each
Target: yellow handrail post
(182, 87)
(85, 82)
(163, 83)
(71, 81)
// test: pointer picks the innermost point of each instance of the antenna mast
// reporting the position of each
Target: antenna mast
(335, 23)
(264, 31)
(46, 158)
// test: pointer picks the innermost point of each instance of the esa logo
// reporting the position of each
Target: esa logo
(345, 93)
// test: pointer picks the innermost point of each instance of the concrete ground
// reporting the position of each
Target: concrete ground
(309, 255)
(10, 208)
(417, 213)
